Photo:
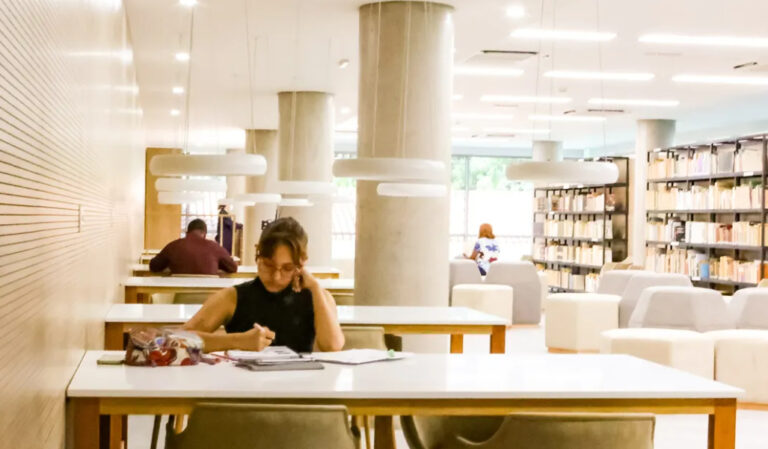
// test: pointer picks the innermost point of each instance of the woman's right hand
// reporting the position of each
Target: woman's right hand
(257, 338)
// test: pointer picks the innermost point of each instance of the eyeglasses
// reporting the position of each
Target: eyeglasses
(270, 269)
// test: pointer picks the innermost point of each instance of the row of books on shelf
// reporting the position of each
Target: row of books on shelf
(704, 162)
(721, 195)
(575, 202)
(736, 233)
(566, 279)
(697, 265)
(585, 254)
(577, 228)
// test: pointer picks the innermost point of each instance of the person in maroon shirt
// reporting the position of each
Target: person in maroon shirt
(193, 254)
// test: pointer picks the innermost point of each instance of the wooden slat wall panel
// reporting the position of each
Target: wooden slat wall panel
(71, 216)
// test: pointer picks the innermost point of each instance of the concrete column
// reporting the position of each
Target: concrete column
(235, 186)
(306, 154)
(263, 142)
(401, 246)
(650, 134)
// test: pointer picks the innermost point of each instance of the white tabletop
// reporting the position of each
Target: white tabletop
(422, 376)
(247, 269)
(217, 282)
(348, 315)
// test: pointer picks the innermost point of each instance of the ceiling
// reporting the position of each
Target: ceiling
(297, 45)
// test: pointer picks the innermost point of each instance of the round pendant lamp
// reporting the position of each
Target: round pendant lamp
(258, 198)
(548, 167)
(411, 190)
(180, 197)
(295, 202)
(189, 185)
(208, 165)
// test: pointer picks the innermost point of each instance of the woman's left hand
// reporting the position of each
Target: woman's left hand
(304, 279)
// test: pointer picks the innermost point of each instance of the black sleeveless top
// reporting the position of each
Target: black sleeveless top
(290, 315)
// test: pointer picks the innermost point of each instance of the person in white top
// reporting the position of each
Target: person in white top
(486, 250)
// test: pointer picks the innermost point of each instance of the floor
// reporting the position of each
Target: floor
(672, 432)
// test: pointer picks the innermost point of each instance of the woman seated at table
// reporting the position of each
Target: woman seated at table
(283, 306)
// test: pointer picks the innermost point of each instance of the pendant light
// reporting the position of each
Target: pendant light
(180, 197)
(189, 185)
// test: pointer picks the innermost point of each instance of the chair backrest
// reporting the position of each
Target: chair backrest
(615, 281)
(749, 308)
(571, 431)
(524, 280)
(190, 298)
(178, 275)
(462, 271)
(433, 432)
(686, 308)
(363, 337)
(250, 426)
(639, 282)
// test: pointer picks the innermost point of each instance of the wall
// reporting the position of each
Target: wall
(162, 223)
(71, 193)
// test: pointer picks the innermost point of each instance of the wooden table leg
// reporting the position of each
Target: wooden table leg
(498, 339)
(722, 425)
(85, 423)
(113, 336)
(383, 433)
(131, 295)
(115, 432)
(457, 343)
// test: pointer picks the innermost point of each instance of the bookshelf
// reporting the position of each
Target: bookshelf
(578, 228)
(706, 212)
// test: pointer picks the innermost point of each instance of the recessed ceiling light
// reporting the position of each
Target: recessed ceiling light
(565, 118)
(178, 90)
(523, 99)
(182, 56)
(633, 102)
(722, 79)
(477, 116)
(188, 2)
(609, 76)
(343, 63)
(515, 131)
(562, 35)
(458, 97)
(487, 71)
(175, 112)
(515, 11)
(345, 110)
(710, 41)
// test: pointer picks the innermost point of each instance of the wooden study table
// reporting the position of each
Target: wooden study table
(137, 288)
(243, 271)
(423, 384)
(398, 320)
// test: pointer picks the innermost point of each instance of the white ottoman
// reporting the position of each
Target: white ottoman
(686, 350)
(574, 321)
(495, 299)
(749, 308)
(741, 360)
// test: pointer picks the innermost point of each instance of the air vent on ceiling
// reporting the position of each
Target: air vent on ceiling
(606, 111)
(499, 57)
(498, 135)
(506, 105)
(752, 66)
(663, 54)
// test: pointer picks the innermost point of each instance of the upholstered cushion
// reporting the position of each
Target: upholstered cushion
(522, 277)
(749, 308)
(614, 282)
(494, 299)
(639, 282)
(574, 321)
(741, 360)
(691, 308)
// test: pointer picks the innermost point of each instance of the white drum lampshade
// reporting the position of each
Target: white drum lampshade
(260, 198)
(564, 172)
(189, 185)
(295, 202)
(232, 164)
(305, 188)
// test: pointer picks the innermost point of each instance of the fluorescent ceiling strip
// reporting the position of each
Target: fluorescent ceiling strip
(709, 41)
(722, 79)
(633, 102)
(487, 71)
(523, 99)
(565, 118)
(609, 76)
(562, 35)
